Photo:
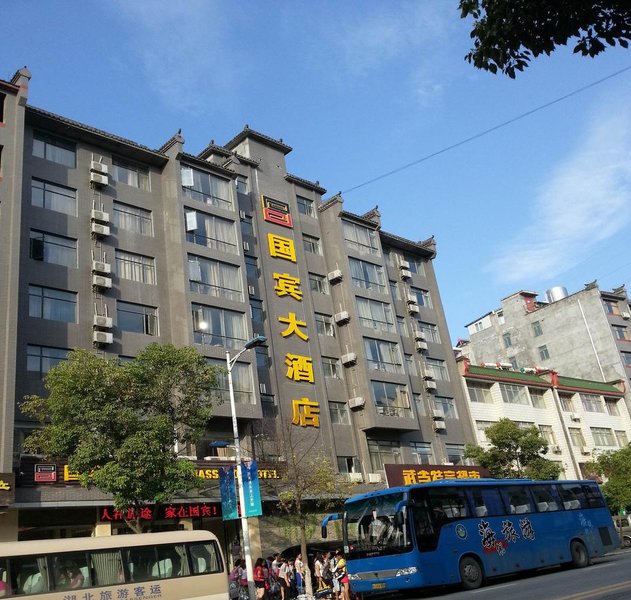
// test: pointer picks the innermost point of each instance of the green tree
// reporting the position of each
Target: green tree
(515, 452)
(507, 34)
(616, 467)
(119, 424)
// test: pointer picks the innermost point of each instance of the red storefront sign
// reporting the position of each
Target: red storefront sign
(169, 511)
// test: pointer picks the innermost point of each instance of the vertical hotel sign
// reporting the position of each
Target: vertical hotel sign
(305, 412)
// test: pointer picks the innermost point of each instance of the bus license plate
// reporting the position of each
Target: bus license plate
(378, 586)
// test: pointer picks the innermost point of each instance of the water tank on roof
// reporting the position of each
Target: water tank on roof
(556, 293)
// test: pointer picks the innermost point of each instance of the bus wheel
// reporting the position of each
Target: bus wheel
(471, 575)
(580, 558)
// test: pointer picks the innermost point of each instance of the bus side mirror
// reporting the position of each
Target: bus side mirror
(324, 532)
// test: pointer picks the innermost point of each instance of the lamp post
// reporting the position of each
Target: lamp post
(247, 551)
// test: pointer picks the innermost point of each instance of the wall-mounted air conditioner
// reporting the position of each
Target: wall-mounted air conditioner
(440, 426)
(505, 365)
(438, 414)
(404, 264)
(575, 417)
(405, 274)
(98, 180)
(98, 266)
(251, 290)
(100, 216)
(348, 359)
(102, 321)
(99, 229)
(246, 247)
(413, 309)
(626, 316)
(421, 346)
(335, 276)
(374, 477)
(556, 449)
(419, 335)
(355, 477)
(529, 370)
(411, 299)
(430, 385)
(357, 402)
(342, 317)
(586, 450)
(102, 337)
(98, 167)
(102, 282)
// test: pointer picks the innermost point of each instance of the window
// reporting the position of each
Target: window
(567, 405)
(455, 453)
(348, 464)
(305, 206)
(543, 352)
(417, 265)
(486, 501)
(262, 358)
(507, 340)
(479, 393)
(252, 268)
(211, 231)
(576, 436)
(536, 329)
(241, 382)
(257, 312)
(447, 405)
(373, 314)
(311, 244)
(611, 307)
(619, 332)
(241, 183)
(517, 499)
(214, 278)
(626, 358)
(394, 290)
(513, 394)
(437, 369)
(622, 439)
(247, 225)
(537, 397)
(422, 297)
(130, 174)
(391, 399)
(318, 283)
(383, 452)
(612, 406)
(422, 453)
(331, 368)
(592, 403)
(513, 363)
(55, 305)
(403, 327)
(324, 325)
(214, 326)
(383, 356)
(481, 427)
(420, 404)
(135, 267)
(53, 249)
(431, 332)
(54, 149)
(41, 359)
(137, 318)
(602, 436)
(547, 434)
(133, 219)
(361, 239)
(54, 197)
(367, 275)
(410, 365)
(339, 413)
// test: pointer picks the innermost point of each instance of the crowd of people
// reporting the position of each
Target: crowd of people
(280, 578)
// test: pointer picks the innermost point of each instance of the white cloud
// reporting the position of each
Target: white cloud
(584, 204)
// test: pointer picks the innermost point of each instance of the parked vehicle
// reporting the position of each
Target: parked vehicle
(625, 532)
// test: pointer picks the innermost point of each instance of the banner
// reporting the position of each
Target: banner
(251, 490)
(228, 494)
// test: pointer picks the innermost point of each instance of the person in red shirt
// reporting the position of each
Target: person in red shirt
(260, 578)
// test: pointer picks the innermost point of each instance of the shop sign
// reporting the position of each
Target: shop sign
(409, 474)
(7, 489)
(166, 512)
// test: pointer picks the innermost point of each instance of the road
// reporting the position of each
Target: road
(608, 578)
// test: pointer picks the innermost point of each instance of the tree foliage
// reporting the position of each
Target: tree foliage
(616, 467)
(118, 424)
(515, 452)
(507, 34)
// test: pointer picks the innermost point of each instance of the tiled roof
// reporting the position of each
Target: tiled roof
(585, 384)
(427, 246)
(205, 164)
(507, 375)
(310, 185)
(246, 132)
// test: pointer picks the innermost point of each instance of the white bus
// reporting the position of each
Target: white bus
(176, 565)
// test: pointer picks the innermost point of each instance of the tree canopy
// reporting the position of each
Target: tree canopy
(118, 424)
(515, 452)
(507, 34)
(616, 467)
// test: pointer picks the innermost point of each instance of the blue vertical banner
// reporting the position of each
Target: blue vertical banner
(251, 489)
(228, 494)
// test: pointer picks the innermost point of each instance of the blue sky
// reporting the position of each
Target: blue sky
(358, 89)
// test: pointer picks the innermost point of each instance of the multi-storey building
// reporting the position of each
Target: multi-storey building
(107, 244)
(578, 418)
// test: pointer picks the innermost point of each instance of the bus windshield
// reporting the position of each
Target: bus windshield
(377, 526)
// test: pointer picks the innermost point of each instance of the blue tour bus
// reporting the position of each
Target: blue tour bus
(465, 531)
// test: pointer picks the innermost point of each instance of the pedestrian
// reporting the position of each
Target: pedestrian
(335, 580)
(317, 571)
(299, 569)
(285, 579)
(260, 578)
(342, 576)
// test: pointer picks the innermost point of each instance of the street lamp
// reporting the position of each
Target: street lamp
(247, 551)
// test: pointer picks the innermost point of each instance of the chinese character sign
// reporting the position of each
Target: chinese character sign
(228, 493)
(251, 491)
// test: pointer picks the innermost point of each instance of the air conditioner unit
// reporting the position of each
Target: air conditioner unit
(355, 477)
(556, 449)
(100, 215)
(374, 477)
(419, 335)
(586, 450)
(430, 386)
(98, 167)
(575, 417)
(405, 274)
(357, 402)
(251, 290)
(102, 321)
(506, 365)
(335, 276)
(102, 282)
(242, 214)
(529, 370)
(440, 426)
(438, 414)
(348, 359)
(99, 266)
(488, 365)
(98, 179)
(262, 388)
(342, 317)
(246, 246)
(404, 264)
(413, 309)
(98, 229)
(102, 337)
(421, 346)
(626, 316)
(411, 299)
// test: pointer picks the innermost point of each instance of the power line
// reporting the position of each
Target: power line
(487, 131)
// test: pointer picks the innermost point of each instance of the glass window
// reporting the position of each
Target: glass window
(71, 571)
(54, 197)
(367, 275)
(513, 394)
(447, 405)
(373, 314)
(215, 326)
(481, 427)
(54, 249)
(626, 358)
(383, 356)
(403, 327)
(135, 267)
(410, 364)
(619, 332)
(437, 369)
(517, 498)
(507, 340)
(214, 278)
(455, 453)
(448, 503)
(422, 453)
(430, 331)
(348, 464)
(422, 297)
(384, 452)
(576, 436)
(360, 238)
(41, 359)
(54, 149)
(242, 382)
(592, 403)
(546, 498)
(257, 312)
(567, 405)
(420, 404)
(537, 329)
(544, 354)
(211, 231)
(133, 219)
(537, 397)
(29, 574)
(324, 325)
(311, 244)
(339, 413)
(252, 268)
(602, 436)
(318, 283)
(305, 206)
(394, 290)
(391, 399)
(612, 406)
(479, 393)
(55, 305)
(547, 434)
(241, 183)
(130, 174)
(622, 439)
(611, 307)
(486, 501)
(331, 368)
(137, 318)
(247, 225)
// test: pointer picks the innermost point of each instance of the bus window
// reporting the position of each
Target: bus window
(517, 499)
(593, 497)
(205, 558)
(546, 498)
(71, 571)
(29, 574)
(571, 495)
(447, 504)
(108, 567)
(486, 501)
